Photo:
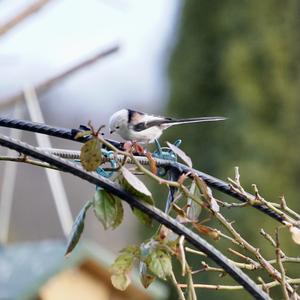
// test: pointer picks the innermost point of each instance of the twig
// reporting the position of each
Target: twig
(267, 237)
(258, 201)
(191, 287)
(178, 289)
(208, 268)
(231, 205)
(237, 175)
(238, 287)
(225, 236)
(256, 266)
(281, 267)
(246, 258)
(45, 85)
(27, 161)
(272, 207)
(263, 262)
(284, 206)
(264, 287)
(139, 165)
(273, 272)
(182, 255)
(187, 249)
(22, 15)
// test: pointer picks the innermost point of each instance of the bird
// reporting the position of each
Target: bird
(145, 128)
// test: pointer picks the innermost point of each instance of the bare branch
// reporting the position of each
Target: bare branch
(178, 289)
(22, 15)
(237, 287)
(281, 267)
(267, 237)
(26, 160)
(187, 249)
(48, 83)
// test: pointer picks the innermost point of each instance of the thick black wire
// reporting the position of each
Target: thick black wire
(225, 188)
(153, 212)
(64, 133)
(69, 134)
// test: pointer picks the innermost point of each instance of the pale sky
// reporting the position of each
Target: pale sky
(66, 31)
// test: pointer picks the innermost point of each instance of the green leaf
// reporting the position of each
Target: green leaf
(90, 154)
(143, 218)
(135, 186)
(119, 212)
(121, 267)
(181, 154)
(124, 261)
(145, 276)
(159, 263)
(77, 229)
(120, 281)
(108, 209)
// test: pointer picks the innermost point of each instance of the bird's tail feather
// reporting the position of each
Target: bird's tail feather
(193, 120)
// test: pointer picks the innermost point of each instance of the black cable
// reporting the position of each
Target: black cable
(225, 188)
(64, 133)
(69, 134)
(153, 212)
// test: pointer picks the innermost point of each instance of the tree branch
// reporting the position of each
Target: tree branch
(237, 287)
(27, 161)
(48, 83)
(22, 15)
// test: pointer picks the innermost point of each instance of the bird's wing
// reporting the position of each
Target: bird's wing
(140, 121)
(151, 122)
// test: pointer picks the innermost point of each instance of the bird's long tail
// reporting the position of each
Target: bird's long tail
(193, 120)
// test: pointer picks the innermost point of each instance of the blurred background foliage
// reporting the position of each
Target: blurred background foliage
(240, 59)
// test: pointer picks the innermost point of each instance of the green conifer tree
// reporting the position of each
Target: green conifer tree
(240, 59)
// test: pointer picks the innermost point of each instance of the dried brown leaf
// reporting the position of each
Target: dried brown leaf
(152, 163)
(211, 232)
(207, 194)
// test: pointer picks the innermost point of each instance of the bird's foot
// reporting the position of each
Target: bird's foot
(132, 146)
(152, 162)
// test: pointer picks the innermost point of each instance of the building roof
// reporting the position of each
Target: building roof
(25, 267)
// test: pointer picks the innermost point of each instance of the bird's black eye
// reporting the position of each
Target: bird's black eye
(117, 127)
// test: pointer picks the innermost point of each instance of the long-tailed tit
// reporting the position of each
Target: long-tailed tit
(143, 128)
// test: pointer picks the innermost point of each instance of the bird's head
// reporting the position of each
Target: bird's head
(118, 121)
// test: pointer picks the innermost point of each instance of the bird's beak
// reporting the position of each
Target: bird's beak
(112, 131)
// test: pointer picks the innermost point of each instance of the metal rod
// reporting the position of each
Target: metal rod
(54, 178)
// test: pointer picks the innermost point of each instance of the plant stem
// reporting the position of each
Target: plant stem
(25, 160)
(237, 287)
(178, 288)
